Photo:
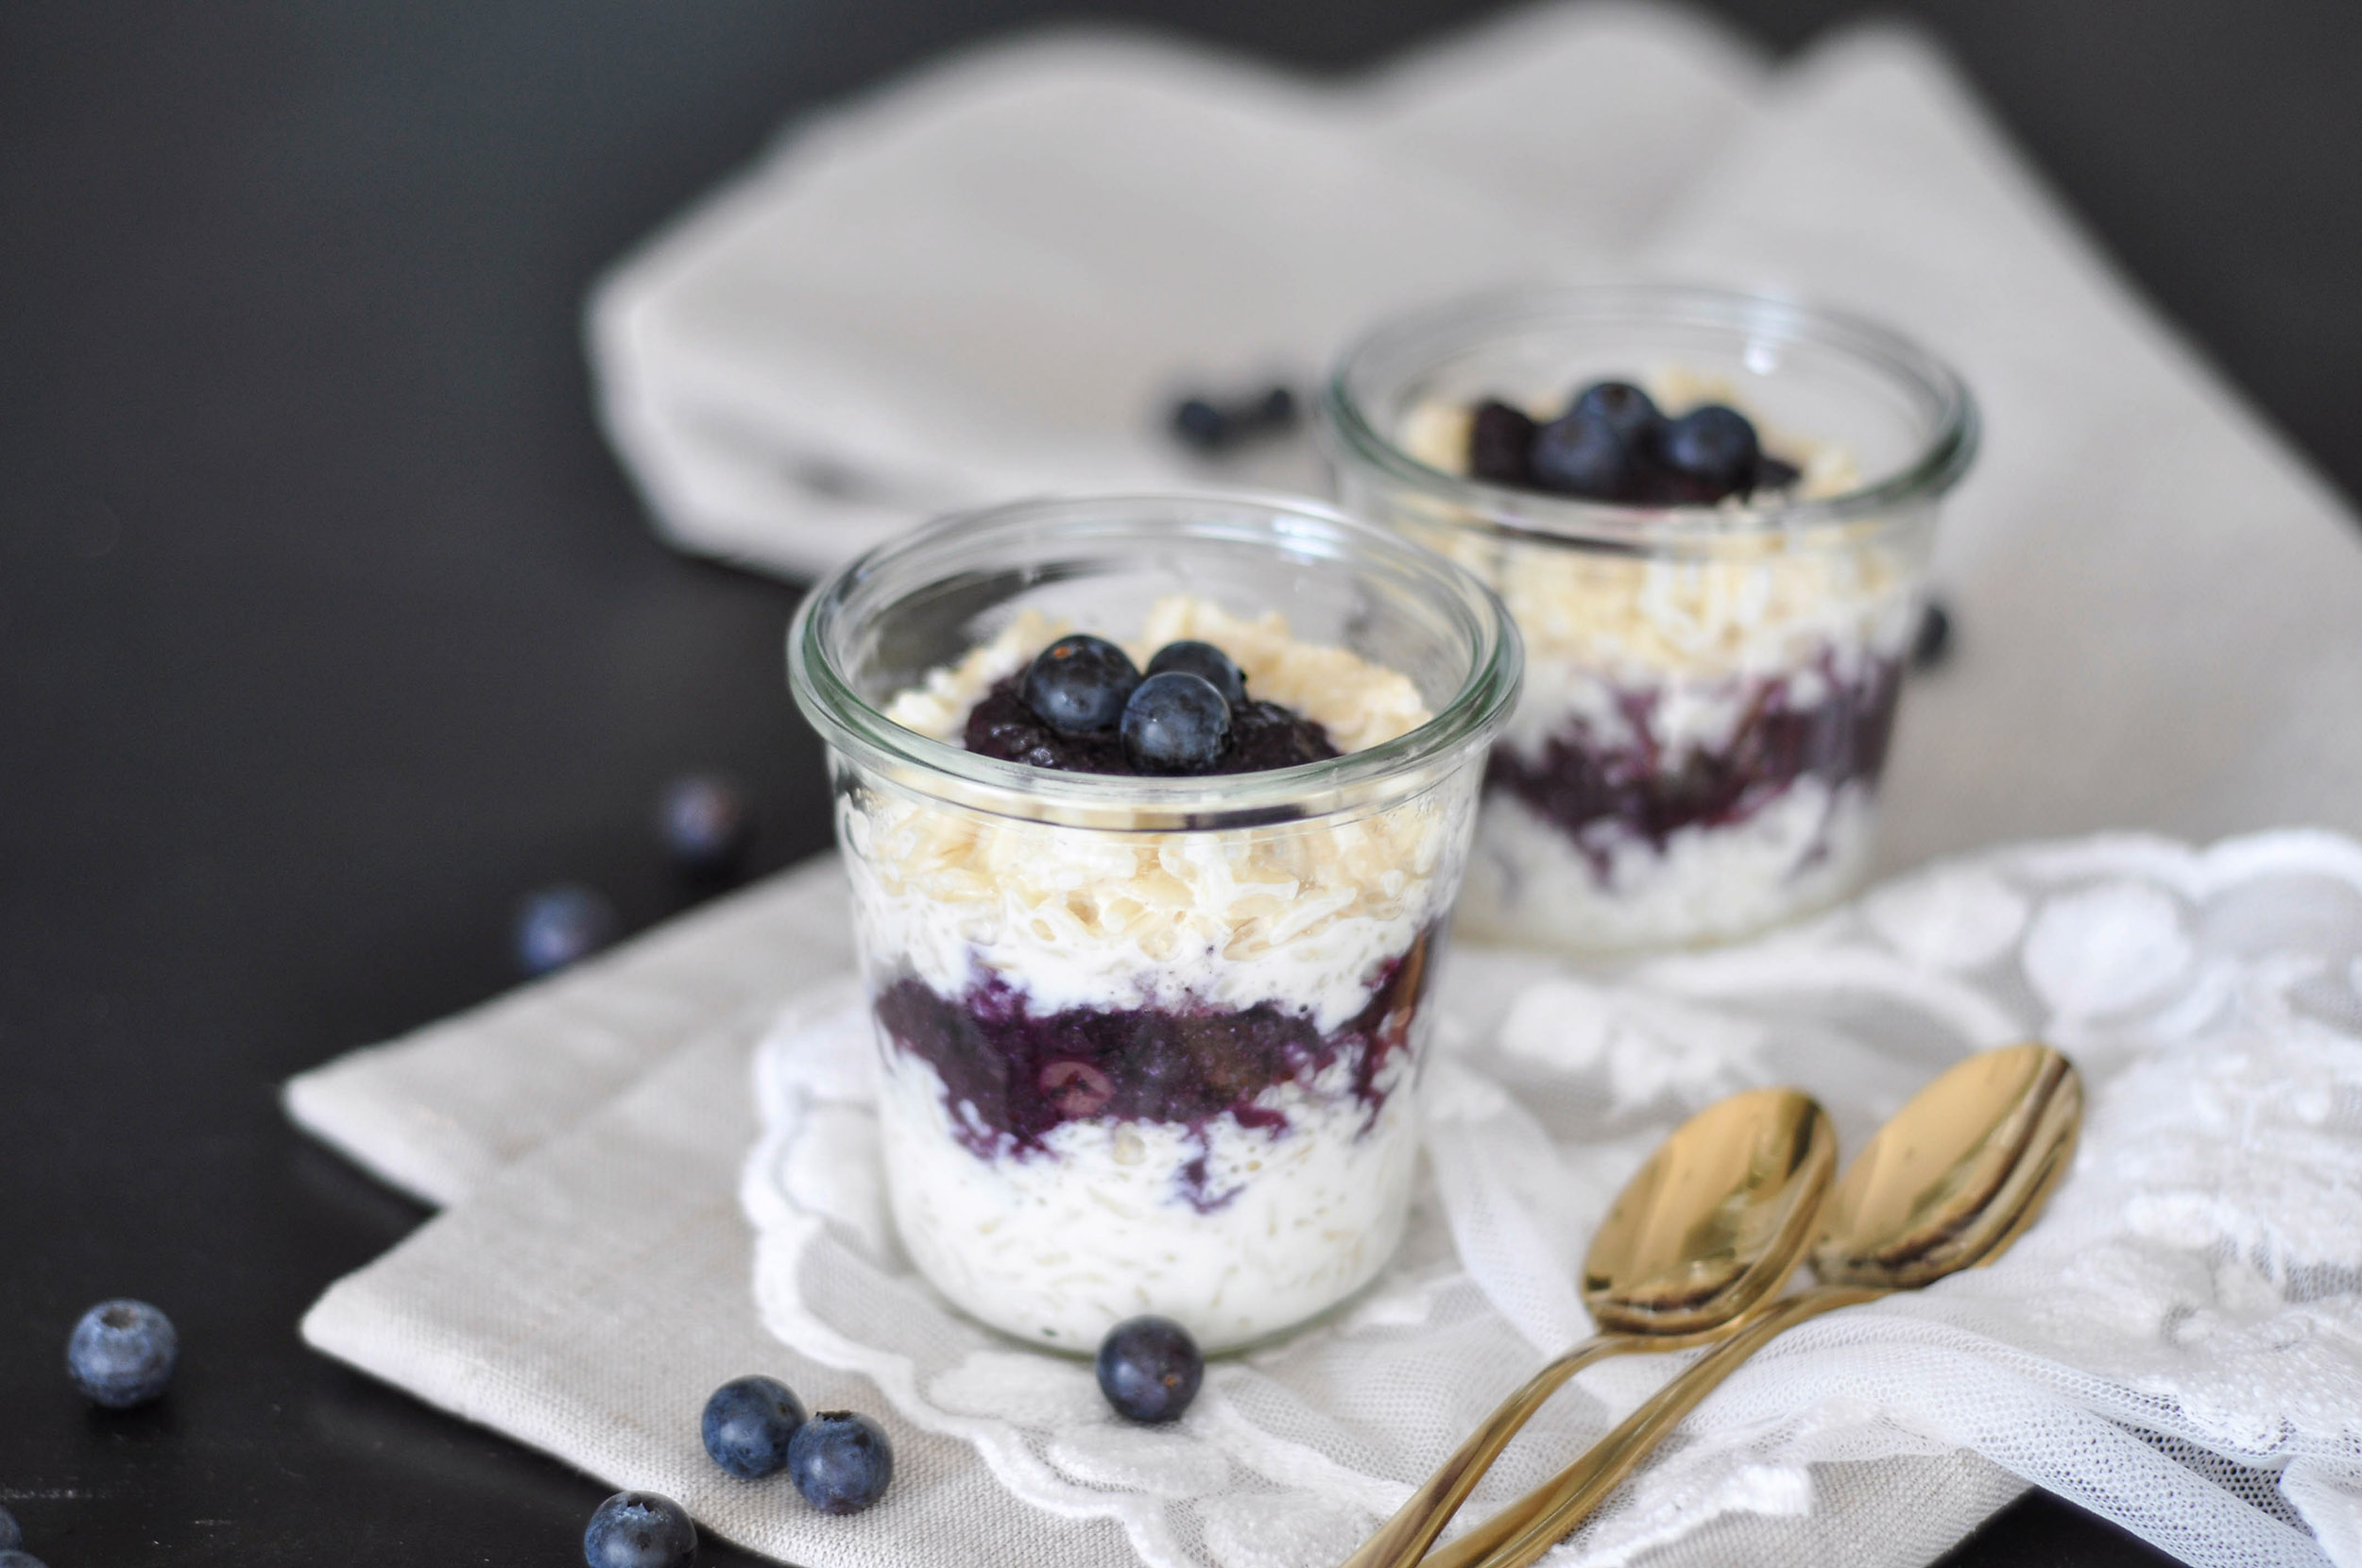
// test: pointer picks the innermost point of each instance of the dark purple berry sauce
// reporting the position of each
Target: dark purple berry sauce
(1263, 736)
(1011, 1076)
(1594, 789)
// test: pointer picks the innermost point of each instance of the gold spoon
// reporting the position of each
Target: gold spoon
(1955, 1177)
(1705, 1232)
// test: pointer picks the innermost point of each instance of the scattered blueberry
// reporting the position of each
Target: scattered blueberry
(1149, 1369)
(122, 1354)
(1713, 445)
(1204, 659)
(1198, 423)
(1629, 412)
(562, 925)
(1176, 722)
(1209, 426)
(11, 1533)
(706, 822)
(640, 1529)
(1079, 684)
(841, 1461)
(15, 1559)
(1772, 474)
(1500, 444)
(1933, 644)
(1275, 410)
(1580, 454)
(747, 1425)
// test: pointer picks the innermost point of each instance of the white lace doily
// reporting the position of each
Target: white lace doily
(2177, 1345)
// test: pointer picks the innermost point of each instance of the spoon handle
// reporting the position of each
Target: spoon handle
(1404, 1538)
(1538, 1521)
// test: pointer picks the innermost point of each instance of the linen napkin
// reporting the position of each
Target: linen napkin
(420, 1112)
(995, 278)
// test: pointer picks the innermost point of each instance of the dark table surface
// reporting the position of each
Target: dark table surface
(328, 625)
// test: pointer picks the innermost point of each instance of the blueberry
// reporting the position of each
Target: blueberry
(1933, 644)
(11, 1533)
(1500, 444)
(706, 822)
(1079, 684)
(12, 1558)
(841, 1461)
(562, 925)
(1580, 454)
(1204, 659)
(1772, 474)
(1275, 410)
(748, 1425)
(1198, 423)
(122, 1354)
(1713, 445)
(1176, 722)
(1149, 1369)
(1627, 410)
(640, 1529)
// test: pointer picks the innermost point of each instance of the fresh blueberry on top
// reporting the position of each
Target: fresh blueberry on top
(1629, 412)
(1500, 444)
(1176, 722)
(1204, 659)
(1079, 684)
(1580, 454)
(12, 1558)
(11, 1533)
(1772, 474)
(122, 1354)
(1149, 1369)
(706, 822)
(841, 1461)
(1713, 445)
(747, 1425)
(640, 1529)
(562, 925)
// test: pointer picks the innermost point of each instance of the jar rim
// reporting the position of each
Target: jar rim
(1954, 427)
(854, 725)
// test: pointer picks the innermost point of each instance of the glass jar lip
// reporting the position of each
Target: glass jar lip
(855, 726)
(1955, 427)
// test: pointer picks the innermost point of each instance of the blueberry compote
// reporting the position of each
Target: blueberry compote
(1015, 1076)
(1595, 786)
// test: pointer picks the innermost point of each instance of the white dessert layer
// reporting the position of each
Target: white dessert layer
(1302, 913)
(1528, 883)
(1057, 1246)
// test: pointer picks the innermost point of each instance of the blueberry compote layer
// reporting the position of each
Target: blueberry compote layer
(1011, 1076)
(1263, 736)
(1639, 784)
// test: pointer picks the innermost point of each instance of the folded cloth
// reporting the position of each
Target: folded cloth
(2177, 1345)
(995, 278)
(437, 1111)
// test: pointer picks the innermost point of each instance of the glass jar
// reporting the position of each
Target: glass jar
(1147, 1043)
(1709, 690)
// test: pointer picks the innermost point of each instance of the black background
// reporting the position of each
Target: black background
(328, 625)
